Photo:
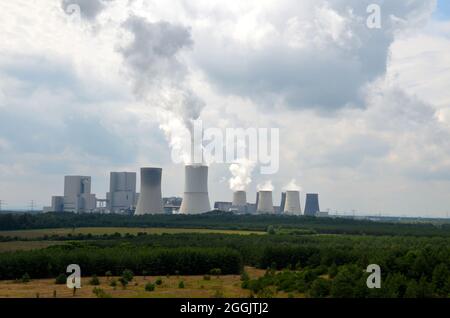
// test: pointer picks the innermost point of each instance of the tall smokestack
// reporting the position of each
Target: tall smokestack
(196, 198)
(265, 203)
(292, 205)
(150, 199)
(312, 204)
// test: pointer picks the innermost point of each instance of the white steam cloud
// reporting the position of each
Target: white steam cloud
(292, 186)
(266, 186)
(241, 172)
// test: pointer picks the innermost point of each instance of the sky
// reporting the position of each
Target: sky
(364, 114)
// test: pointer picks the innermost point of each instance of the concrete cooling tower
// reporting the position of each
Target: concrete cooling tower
(196, 198)
(239, 202)
(265, 203)
(150, 199)
(292, 204)
(312, 204)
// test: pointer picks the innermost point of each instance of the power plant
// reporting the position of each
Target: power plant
(312, 204)
(150, 198)
(122, 192)
(123, 198)
(196, 197)
(239, 203)
(292, 203)
(265, 203)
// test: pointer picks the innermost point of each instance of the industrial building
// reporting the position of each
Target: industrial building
(122, 192)
(265, 203)
(196, 197)
(312, 204)
(150, 198)
(292, 203)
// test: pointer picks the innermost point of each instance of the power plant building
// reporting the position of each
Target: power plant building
(312, 204)
(265, 203)
(292, 203)
(77, 195)
(150, 197)
(239, 204)
(122, 192)
(196, 197)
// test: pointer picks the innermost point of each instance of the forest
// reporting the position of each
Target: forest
(316, 265)
(223, 220)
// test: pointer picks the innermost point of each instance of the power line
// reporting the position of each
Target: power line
(32, 205)
(2, 204)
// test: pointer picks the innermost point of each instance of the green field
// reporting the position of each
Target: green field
(35, 234)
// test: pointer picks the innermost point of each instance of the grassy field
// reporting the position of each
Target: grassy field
(26, 245)
(195, 287)
(34, 234)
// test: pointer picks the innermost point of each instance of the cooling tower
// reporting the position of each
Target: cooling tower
(312, 204)
(239, 203)
(239, 198)
(196, 198)
(265, 203)
(292, 205)
(150, 199)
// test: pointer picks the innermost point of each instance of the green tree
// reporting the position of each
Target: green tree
(181, 284)
(61, 279)
(149, 287)
(346, 282)
(128, 275)
(320, 288)
(440, 280)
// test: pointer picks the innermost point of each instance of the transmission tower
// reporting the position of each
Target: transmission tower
(32, 205)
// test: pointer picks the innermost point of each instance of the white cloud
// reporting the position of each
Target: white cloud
(302, 66)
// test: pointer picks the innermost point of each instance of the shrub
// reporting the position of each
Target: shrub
(100, 293)
(113, 283)
(123, 282)
(181, 284)
(206, 277)
(320, 288)
(245, 276)
(149, 287)
(25, 278)
(216, 271)
(128, 275)
(159, 282)
(94, 281)
(61, 279)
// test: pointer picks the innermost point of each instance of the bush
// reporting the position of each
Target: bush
(25, 278)
(181, 284)
(113, 283)
(94, 281)
(128, 275)
(149, 287)
(245, 276)
(216, 271)
(100, 293)
(320, 288)
(123, 282)
(159, 282)
(108, 274)
(61, 279)
(206, 277)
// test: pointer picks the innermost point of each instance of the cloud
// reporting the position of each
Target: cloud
(88, 9)
(319, 55)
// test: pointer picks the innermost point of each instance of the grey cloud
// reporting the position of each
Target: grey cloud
(326, 77)
(152, 54)
(89, 9)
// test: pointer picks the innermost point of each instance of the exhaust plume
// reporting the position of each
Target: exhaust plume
(152, 58)
(241, 174)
